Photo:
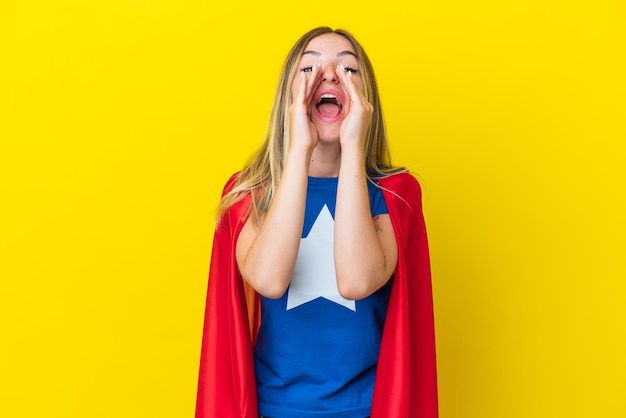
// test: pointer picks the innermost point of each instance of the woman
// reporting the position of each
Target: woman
(319, 301)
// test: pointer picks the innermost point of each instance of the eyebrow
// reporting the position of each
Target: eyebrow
(340, 54)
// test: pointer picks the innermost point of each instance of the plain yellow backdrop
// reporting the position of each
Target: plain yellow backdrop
(120, 120)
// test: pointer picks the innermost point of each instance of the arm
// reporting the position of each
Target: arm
(266, 251)
(365, 249)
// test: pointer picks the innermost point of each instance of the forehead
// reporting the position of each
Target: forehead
(329, 43)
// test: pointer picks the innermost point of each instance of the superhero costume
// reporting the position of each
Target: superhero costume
(406, 379)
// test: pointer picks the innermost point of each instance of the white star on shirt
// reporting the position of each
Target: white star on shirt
(314, 273)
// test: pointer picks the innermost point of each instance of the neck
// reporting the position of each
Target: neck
(325, 160)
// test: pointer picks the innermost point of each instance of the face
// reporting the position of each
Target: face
(330, 101)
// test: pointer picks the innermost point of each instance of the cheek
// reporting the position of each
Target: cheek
(358, 82)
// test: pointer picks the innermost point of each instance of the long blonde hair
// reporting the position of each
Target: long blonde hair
(261, 174)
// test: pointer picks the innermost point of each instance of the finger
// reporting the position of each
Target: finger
(356, 96)
(342, 74)
(313, 80)
(301, 95)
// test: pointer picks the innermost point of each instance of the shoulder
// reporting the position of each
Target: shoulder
(235, 203)
(402, 184)
(403, 195)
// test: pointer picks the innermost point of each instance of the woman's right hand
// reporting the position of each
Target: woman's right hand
(267, 250)
(302, 131)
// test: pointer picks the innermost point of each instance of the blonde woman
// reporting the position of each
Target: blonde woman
(319, 299)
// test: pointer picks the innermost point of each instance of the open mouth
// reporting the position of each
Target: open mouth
(329, 105)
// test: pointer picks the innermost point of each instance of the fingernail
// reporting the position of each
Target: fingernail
(350, 74)
(342, 67)
(301, 74)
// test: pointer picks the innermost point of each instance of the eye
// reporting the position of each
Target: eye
(306, 69)
(350, 70)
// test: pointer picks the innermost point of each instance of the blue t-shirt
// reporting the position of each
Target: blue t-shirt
(316, 352)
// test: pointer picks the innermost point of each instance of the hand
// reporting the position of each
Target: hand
(302, 130)
(354, 127)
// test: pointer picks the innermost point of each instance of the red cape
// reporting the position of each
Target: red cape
(406, 377)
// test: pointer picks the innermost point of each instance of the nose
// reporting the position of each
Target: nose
(330, 75)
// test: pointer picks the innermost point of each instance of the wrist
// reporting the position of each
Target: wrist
(299, 154)
(352, 161)
(352, 150)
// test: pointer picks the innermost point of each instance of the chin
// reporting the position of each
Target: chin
(327, 139)
(328, 134)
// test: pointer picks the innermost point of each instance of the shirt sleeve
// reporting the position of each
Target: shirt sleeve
(377, 200)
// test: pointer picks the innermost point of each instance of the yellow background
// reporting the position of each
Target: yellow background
(120, 120)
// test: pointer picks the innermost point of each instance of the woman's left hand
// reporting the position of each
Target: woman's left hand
(354, 127)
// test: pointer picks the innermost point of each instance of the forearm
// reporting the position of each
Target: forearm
(268, 254)
(360, 262)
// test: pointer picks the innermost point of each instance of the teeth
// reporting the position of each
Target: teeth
(327, 97)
